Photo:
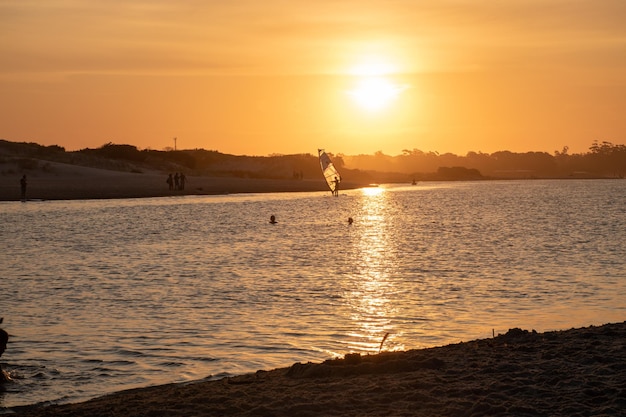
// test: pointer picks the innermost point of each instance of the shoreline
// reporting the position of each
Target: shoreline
(58, 181)
(576, 372)
(71, 182)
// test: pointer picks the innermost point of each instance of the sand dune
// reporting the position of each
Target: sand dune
(578, 372)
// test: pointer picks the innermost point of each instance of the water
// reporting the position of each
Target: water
(100, 296)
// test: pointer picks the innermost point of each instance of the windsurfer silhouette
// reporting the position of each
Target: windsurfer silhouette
(331, 175)
(336, 190)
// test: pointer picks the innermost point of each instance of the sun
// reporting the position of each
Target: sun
(375, 93)
(373, 89)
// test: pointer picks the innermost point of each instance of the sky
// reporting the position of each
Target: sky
(252, 77)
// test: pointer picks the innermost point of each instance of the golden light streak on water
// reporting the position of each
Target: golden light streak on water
(370, 300)
(372, 191)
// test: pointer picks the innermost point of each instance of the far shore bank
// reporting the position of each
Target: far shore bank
(82, 183)
(72, 182)
(577, 372)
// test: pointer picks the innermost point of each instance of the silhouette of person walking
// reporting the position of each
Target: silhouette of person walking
(170, 182)
(182, 180)
(23, 187)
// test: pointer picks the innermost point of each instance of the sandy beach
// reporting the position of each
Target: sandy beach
(56, 181)
(578, 372)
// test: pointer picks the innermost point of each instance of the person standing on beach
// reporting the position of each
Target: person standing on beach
(4, 339)
(170, 182)
(182, 181)
(23, 187)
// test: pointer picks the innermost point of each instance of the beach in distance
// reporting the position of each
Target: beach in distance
(122, 171)
(577, 372)
(72, 182)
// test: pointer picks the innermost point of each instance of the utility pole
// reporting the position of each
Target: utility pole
(175, 143)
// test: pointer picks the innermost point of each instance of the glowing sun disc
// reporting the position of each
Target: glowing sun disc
(375, 93)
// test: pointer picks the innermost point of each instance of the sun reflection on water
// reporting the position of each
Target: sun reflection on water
(372, 191)
(371, 295)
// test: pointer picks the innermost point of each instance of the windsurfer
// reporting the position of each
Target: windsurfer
(331, 175)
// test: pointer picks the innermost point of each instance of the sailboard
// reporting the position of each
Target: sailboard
(331, 175)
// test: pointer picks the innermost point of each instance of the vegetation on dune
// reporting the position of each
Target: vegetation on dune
(604, 160)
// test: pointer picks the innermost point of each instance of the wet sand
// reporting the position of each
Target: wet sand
(71, 182)
(578, 372)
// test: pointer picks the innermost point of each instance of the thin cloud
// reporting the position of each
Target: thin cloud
(299, 36)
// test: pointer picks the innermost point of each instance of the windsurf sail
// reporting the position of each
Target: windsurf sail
(330, 172)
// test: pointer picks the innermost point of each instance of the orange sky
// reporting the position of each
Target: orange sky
(278, 76)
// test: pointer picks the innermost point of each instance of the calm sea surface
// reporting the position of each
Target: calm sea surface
(100, 296)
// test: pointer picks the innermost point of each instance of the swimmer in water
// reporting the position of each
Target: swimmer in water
(273, 219)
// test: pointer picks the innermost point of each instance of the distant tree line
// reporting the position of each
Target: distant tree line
(604, 160)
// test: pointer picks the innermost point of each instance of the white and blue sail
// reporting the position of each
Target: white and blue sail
(331, 175)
